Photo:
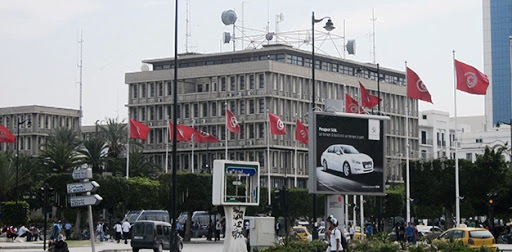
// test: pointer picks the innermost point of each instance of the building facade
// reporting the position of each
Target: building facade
(497, 28)
(32, 136)
(251, 83)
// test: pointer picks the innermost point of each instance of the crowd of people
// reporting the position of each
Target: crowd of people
(32, 233)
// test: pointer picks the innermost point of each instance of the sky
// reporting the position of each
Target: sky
(40, 52)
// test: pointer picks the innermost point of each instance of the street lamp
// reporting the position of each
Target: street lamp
(329, 26)
(510, 144)
(359, 70)
(20, 122)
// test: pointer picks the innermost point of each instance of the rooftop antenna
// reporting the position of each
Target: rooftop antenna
(80, 66)
(279, 19)
(373, 19)
(187, 26)
(243, 20)
(228, 17)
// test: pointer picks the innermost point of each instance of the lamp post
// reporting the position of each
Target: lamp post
(329, 26)
(19, 122)
(174, 236)
(359, 70)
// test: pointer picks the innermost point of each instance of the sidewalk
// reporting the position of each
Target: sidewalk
(38, 245)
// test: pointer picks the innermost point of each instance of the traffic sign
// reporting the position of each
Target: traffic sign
(82, 174)
(82, 187)
(85, 200)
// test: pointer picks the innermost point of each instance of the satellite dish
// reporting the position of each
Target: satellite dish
(351, 46)
(144, 68)
(227, 37)
(269, 36)
(228, 17)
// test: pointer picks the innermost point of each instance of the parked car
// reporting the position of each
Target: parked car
(155, 215)
(153, 235)
(300, 232)
(429, 232)
(346, 159)
(472, 237)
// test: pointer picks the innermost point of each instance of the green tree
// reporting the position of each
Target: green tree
(94, 153)
(140, 166)
(60, 151)
(115, 134)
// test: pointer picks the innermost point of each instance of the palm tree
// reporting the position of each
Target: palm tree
(94, 153)
(8, 174)
(60, 151)
(140, 166)
(115, 134)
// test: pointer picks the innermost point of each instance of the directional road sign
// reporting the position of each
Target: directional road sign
(81, 187)
(82, 174)
(85, 200)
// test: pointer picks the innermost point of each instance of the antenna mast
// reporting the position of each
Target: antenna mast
(187, 26)
(80, 66)
(373, 19)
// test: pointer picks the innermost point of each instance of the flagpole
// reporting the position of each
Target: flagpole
(167, 144)
(268, 159)
(407, 177)
(226, 131)
(296, 159)
(128, 149)
(457, 194)
(193, 145)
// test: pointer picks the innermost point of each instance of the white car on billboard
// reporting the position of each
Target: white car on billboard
(346, 159)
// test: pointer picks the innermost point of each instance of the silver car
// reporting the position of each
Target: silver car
(346, 159)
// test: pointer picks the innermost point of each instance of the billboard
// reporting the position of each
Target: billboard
(346, 153)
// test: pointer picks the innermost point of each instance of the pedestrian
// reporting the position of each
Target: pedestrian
(24, 232)
(12, 233)
(60, 245)
(369, 230)
(409, 233)
(126, 231)
(218, 228)
(334, 234)
(351, 231)
(99, 231)
(119, 231)
(55, 230)
(67, 230)
(105, 232)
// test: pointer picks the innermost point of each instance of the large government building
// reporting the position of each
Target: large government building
(251, 83)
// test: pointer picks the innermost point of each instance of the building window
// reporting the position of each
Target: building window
(424, 117)
(242, 83)
(135, 89)
(478, 140)
(160, 89)
(261, 130)
(423, 154)
(152, 90)
(250, 128)
(251, 82)
(232, 83)
(469, 156)
(261, 81)
(251, 106)
(187, 111)
(199, 88)
(143, 89)
(423, 137)
(169, 88)
(214, 108)
(196, 110)
(242, 107)
(223, 84)
(262, 106)
(205, 109)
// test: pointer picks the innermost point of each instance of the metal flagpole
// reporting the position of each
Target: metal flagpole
(354, 212)
(226, 130)
(457, 194)
(408, 183)
(268, 160)
(167, 144)
(361, 215)
(346, 211)
(296, 159)
(128, 149)
(193, 145)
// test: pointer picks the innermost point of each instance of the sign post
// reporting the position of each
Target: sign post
(85, 186)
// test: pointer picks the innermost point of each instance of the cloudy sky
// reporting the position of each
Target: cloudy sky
(39, 43)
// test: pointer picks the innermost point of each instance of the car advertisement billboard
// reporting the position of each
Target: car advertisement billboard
(346, 153)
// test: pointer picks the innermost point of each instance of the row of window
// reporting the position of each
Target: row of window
(43, 121)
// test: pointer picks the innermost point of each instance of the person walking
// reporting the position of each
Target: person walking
(126, 231)
(351, 231)
(334, 234)
(99, 231)
(67, 230)
(218, 228)
(409, 233)
(119, 231)
(56, 228)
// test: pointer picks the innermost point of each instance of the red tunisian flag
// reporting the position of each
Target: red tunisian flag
(138, 130)
(368, 100)
(301, 132)
(184, 132)
(6, 136)
(351, 105)
(416, 89)
(204, 137)
(470, 80)
(276, 125)
(231, 122)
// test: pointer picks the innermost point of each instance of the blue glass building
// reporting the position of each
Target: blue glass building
(497, 28)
